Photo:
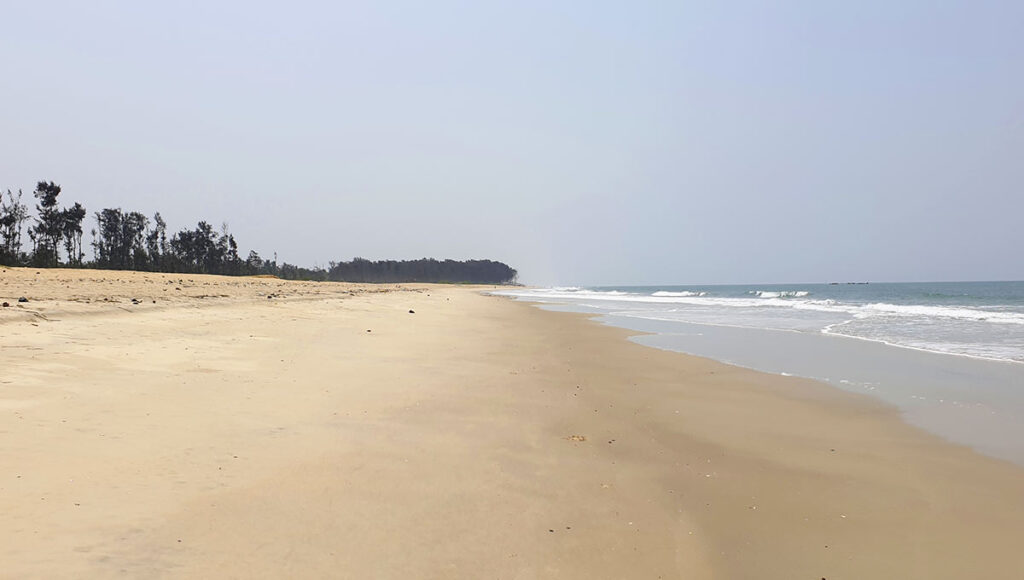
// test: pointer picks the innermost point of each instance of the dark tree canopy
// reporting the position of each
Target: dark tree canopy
(118, 241)
(49, 226)
(205, 251)
(71, 231)
(13, 214)
(156, 243)
(423, 270)
(128, 240)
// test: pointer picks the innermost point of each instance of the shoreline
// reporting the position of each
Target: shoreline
(475, 436)
(962, 398)
(885, 317)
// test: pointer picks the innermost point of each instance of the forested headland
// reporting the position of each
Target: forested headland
(130, 240)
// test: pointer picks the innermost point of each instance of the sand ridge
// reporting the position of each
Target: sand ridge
(57, 291)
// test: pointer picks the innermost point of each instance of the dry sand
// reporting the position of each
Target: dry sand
(221, 434)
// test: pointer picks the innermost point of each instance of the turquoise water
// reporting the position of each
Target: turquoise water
(949, 355)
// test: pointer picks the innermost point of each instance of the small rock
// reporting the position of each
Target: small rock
(368, 330)
(412, 312)
(7, 304)
(22, 299)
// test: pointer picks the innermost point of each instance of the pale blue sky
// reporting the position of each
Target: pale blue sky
(581, 142)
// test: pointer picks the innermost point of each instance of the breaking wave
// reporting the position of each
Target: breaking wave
(780, 293)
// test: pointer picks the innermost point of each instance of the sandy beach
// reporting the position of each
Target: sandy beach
(185, 426)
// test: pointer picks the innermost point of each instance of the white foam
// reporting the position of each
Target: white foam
(780, 293)
(564, 293)
(780, 300)
(795, 299)
(955, 329)
(940, 312)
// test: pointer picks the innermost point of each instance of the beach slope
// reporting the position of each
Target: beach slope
(183, 426)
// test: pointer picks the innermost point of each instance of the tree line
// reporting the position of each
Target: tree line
(125, 240)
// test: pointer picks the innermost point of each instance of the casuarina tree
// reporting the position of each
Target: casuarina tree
(49, 226)
(13, 214)
(71, 230)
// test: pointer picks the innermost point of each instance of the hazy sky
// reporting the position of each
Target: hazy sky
(581, 142)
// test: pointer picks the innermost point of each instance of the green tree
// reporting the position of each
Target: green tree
(49, 227)
(119, 240)
(156, 244)
(71, 231)
(13, 214)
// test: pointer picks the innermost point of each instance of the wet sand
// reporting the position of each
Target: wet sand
(219, 433)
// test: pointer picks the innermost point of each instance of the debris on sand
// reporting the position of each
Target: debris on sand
(576, 438)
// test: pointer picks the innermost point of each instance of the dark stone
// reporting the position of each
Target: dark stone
(412, 312)
(7, 304)
(22, 299)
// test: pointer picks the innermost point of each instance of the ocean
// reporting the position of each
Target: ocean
(949, 355)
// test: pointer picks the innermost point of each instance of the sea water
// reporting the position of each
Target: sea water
(949, 355)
